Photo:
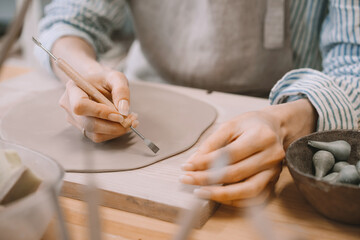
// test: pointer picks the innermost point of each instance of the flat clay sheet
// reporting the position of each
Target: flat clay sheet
(174, 122)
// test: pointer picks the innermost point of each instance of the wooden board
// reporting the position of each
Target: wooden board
(155, 191)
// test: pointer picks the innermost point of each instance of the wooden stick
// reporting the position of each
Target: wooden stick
(189, 216)
(14, 31)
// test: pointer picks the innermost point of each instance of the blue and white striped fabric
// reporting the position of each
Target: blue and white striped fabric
(325, 41)
(327, 30)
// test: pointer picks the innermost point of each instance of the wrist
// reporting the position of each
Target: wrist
(296, 119)
(78, 54)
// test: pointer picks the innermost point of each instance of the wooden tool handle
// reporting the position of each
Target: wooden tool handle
(83, 84)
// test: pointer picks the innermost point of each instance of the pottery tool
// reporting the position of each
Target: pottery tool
(189, 216)
(90, 90)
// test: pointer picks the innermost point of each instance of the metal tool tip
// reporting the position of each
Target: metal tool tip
(151, 145)
(36, 41)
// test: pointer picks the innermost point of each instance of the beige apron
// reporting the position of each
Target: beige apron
(240, 46)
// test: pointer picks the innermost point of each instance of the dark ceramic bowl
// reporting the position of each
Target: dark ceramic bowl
(336, 201)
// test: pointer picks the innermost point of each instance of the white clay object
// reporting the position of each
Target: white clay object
(16, 180)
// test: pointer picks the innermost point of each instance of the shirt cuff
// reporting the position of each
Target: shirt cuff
(293, 98)
(334, 108)
(49, 36)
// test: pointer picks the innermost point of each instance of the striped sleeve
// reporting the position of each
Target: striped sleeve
(334, 91)
(91, 20)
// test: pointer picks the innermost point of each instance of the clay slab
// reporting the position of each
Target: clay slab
(173, 121)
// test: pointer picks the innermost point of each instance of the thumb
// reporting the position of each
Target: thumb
(120, 91)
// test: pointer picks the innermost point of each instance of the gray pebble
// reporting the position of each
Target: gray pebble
(339, 165)
(331, 177)
(349, 174)
(323, 162)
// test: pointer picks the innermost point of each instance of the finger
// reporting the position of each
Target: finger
(203, 157)
(135, 123)
(249, 188)
(133, 117)
(244, 146)
(71, 117)
(64, 101)
(101, 126)
(240, 170)
(120, 92)
(258, 200)
(217, 140)
(97, 137)
(97, 80)
(80, 104)
(129, 120)
(97, 125)
(65, 104)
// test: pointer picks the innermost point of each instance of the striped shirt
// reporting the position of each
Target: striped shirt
(325, 39)
(326, 32)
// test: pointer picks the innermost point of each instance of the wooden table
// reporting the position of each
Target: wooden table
(288, 213)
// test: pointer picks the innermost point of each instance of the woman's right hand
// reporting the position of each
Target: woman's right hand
(98, 121)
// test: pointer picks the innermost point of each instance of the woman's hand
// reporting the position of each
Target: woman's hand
(255, 143)
(100, 122)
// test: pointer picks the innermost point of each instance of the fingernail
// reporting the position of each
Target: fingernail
(126, 123)
(187, 167)
(135, 115)
(202, 193)
(135, 123)
(186, 179)
(124, 107)
(115, 117)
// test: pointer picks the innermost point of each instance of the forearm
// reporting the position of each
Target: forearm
(78, 53)
(64, 18)
(296, 119)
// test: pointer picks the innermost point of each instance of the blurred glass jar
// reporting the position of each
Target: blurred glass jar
(29, 217)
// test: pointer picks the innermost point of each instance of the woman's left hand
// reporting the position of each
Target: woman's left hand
(255, 143)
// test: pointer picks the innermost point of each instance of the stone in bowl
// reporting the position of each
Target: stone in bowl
(340, 202)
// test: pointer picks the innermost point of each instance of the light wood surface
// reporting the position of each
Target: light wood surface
(290, 215)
